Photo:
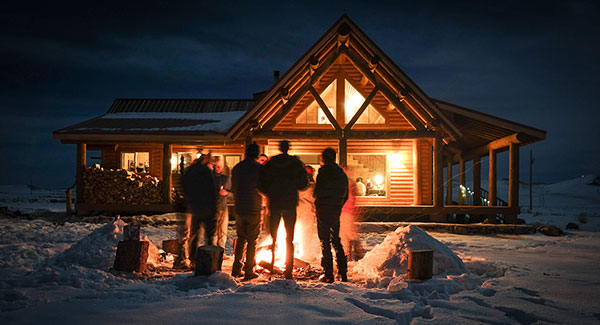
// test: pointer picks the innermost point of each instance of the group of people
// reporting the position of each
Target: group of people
(279, 180)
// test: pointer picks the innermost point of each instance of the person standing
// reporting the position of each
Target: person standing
(222, 188)
(280, 179)
(331, 192)
(199, 193)
(244, 179)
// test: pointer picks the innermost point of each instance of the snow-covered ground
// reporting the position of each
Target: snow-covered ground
(60, 273)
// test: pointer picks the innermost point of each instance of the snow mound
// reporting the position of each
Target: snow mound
(96, 250)
(390, 258)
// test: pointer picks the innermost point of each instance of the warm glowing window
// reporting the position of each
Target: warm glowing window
(369, 174)
(313, 114)
(354, 101)
(177, 163)
(136, 161)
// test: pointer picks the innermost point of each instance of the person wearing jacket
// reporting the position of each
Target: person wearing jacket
(199, 193)
(331, 192)
(248, 200)
(280, 179)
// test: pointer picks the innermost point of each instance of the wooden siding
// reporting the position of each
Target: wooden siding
(302, 147)
(425, 170)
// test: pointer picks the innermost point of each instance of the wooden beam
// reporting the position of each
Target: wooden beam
(449, 183)
(80, 167)
(351, 134)
(340, 96)
(364, 69)
(287, 107)
(492, 194)
(477, 181)
(343, 146)
(461, 181)
(438, 187)
(362, 108)
(324, 108)
(513, 178)
(166, 173)
(297, 135)
(497, 145)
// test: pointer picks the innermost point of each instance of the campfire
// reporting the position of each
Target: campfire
(306, 249)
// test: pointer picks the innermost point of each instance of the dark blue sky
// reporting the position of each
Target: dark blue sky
(63, 62)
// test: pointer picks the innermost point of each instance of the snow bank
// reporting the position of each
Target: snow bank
(96, 250)
(390, 258)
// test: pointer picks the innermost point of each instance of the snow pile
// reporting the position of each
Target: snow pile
(390, 258)
(96, 250)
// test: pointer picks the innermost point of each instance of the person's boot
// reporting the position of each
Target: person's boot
(326, 277)
(249, 275)
(342, 263)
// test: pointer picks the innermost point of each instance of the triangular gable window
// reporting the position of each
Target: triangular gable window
(354, 101)
(313, 114)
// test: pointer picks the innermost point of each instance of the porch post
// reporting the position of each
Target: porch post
(343, 148)
(449, 183)
(477, 181)
(438, 187)
(81, 152)
(462, 182)
(492, 179)
(513, 180)
(166, 173)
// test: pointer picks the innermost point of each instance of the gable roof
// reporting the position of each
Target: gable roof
(345, 38)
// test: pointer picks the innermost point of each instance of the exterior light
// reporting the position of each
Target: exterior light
(378, 179)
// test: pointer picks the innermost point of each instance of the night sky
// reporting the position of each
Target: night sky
(63, 62)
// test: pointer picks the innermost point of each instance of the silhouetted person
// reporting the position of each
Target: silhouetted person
(280, 179)
(244, 179)
(331, 192)
(199, 192)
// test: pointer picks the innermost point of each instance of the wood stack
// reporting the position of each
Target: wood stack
(109, 186)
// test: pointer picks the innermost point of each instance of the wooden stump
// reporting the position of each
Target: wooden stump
(173, 246)
(208, 260)
(131, 256)
(420, 264)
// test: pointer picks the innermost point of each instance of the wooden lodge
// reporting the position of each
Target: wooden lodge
(344, 93)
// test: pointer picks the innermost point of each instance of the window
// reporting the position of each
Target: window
(354, 101)
(231, 161)
(176, 163)
(136, 161)
(314, 114)
(368, 171)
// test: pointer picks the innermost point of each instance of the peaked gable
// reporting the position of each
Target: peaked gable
(345, 39)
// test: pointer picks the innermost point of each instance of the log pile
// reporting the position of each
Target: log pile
(109, 186)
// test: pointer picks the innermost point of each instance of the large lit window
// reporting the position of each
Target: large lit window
(313, 114)
(369, 174)
(354, 101)
(136, 161)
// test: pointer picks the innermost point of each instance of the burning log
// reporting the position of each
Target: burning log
(420, 264)
(102, 186)
(208, 260)
(173, 246)
(132, 256)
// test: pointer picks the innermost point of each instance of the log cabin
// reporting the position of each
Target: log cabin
(344, 93)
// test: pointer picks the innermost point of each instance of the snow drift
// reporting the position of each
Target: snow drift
(390, 258)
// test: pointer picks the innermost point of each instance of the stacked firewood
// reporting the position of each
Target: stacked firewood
(109, 186)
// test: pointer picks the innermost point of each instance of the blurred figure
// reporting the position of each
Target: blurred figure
(222, 188)
(280, 180)
(361, 188)
(306, 222)
(331, 192)
(348, 230)
(264, 211)
(244, 178)
(199, 193)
